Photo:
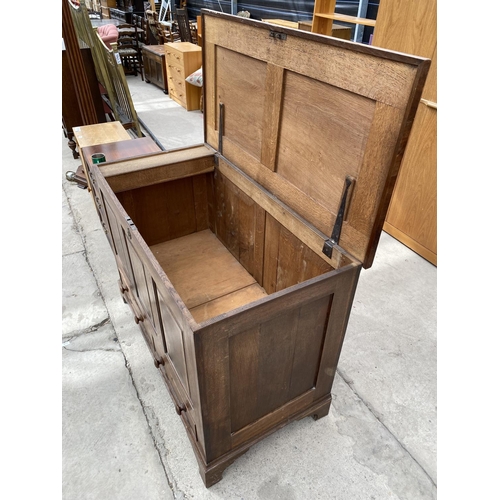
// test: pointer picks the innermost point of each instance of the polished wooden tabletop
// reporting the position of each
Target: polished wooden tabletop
(122, 150)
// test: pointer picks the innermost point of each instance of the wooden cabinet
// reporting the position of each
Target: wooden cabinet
(182, 59)
(224, 250)
(155, 66)
(408, 26)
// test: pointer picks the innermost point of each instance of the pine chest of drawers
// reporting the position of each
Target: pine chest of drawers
(182, 59)
(240, 257)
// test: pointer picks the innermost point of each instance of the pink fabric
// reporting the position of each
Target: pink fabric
(108, 34)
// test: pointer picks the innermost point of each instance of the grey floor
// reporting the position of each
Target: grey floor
(122, 438)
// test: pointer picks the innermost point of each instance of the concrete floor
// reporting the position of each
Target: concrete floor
(122, 438)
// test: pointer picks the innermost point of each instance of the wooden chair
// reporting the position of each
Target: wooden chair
(184, 27)
(151, 21)
(142, 33)
(169, 33)
(129, 50)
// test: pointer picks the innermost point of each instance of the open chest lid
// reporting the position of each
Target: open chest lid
(321, 123)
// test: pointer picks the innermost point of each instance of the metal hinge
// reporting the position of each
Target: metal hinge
(221, 132)
(277, 35)
(337, 228)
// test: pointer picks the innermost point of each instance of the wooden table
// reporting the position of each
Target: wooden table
(121, 150)
(101, 133)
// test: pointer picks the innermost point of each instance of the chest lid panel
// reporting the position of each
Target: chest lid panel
(301, 113)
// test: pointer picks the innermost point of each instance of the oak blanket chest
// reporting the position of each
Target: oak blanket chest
(240, 257)
(155, 66)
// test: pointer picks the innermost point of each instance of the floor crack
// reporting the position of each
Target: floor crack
(93, 328)
(150, 415)
(176, 492)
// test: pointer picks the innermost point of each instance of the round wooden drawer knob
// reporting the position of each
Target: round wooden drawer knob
(159, 362)
(180, 409)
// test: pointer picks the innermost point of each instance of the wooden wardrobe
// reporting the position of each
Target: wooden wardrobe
(411, 27)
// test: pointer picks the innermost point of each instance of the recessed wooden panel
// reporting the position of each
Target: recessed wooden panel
(239, 224)
(241, 84)
(268, 353)
(120, 246)
(273, 364)
(317, 162)
(174, 340)
(142, 290)
(287, 260)
(244, 376)
(309, 345)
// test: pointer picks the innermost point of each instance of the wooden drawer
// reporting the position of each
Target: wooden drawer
(176, 71)
(179, 88)
(174, 57)
(179, 97)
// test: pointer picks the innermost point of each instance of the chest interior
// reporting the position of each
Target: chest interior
(221, 238)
